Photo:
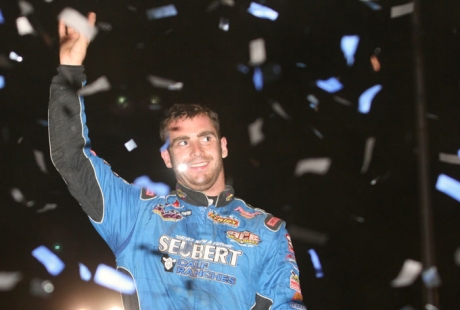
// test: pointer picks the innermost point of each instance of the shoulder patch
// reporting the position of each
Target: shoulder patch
(147, 194)
(273, 223)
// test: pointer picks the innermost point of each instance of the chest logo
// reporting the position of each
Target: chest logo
(170, 215)
(226, 220)
(247, 214)
(246, 238)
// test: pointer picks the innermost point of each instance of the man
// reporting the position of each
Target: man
(198, 247)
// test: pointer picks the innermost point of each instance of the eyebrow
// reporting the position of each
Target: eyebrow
(201, 134)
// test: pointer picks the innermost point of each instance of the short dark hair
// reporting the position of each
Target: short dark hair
(187, 110)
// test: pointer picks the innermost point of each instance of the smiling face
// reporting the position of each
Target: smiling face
(196, 153)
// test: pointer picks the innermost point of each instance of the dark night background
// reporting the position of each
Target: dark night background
(371, 219)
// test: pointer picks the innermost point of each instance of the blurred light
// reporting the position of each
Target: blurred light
(261, 11)
(47, 286)
(162, 12)
(57, 247)
(182, 167)
(365, 100)
(15, 57)
(116, 308)
(123, 102)
(330, 85)
(349, 44)
(156, 187)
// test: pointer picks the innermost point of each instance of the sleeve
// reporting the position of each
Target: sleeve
(279, 284)
(110, 202)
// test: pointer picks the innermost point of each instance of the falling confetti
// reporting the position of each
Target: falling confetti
(257, 52)
(51, 262)
(409, 272)
(370, 142)
(2, 19)
(448, 186)
(40, 160)
(130, 145)
(17, 195)
(24, 26)
(161, 12)
(25, 7)
(255, 132)
(374, 6)
(365, 100)
(47, 207)
(155, 187)
(316, 263)
(160, 82)
(85, 274)
(331, 85)
(258, 79)
(2, 82)
(113, 279)
(431, 277)
(401, 10)
(279, 110)
(261, 11)
(312, 165)
(15, 57)
(9, 279)
(74, 19)
(224, 24)
(349, 44)
(99, 85)
(449, 158)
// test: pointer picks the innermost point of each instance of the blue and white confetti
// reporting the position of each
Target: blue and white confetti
(316, 263)
(113, 279)
(365, 100)
(349, 45)
(331, 85)
(262, 11)
(85, 274)
(448, 186)
(162, 12)
(52, 263)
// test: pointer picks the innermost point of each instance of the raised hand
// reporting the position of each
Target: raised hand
(73, 45)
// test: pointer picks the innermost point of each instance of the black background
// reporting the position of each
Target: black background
(371, 219)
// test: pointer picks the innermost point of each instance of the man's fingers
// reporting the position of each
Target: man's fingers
(92, 18)
(62, 30)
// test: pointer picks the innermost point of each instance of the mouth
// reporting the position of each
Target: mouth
(198, 165)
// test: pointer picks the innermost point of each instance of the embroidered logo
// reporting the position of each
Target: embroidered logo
(290, 246)
(168, 262)
(175, 204)
(229, 197)
(181, 194)
(297, 296)
(290, 258)
(228, 220)
(171, 215)
(294, 282)
(246, 238)
(247, 214)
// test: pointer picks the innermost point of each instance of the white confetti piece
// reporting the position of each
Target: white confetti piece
(130, 145)
(25, 7)
(365, 100)
(47, 207)
(40, 160)
(85, 274)
(51, 262)
(77, 21)
(9, 279)
(370, 142)
(331, 85)
(161, 12)
(224, 24)
(349, 45)
(374, 6)
(261, 11)
(401, 10)
(255, 132)
(342, 100)
(448, 186)
(449, 158)
(257, 54)
(160, 82)
(99, 85)
(17, 195)
(15, 57)
(279, 110)
(312, 165)
(408, 274)
(113, 279)
(24, 26)
(431, 277)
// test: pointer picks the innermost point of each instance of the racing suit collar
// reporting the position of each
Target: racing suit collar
(199, 199)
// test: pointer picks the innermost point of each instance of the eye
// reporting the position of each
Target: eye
(183, 142)
(207, 138)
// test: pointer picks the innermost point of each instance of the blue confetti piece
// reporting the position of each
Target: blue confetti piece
(258, 79)
(2, 19)
(261, 11)
(448, 186)
(458, 153)
(349, 45)
(113, 279)
(2, 82)
(316, 263)
(42, 122)
(374, 6)
(332, 85)
(365, 100)
(51, 262)
(165, 146)
(158, 188)
(162, 12)
(85, 274)
(242, 68)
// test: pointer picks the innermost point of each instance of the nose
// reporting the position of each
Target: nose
(196, 149)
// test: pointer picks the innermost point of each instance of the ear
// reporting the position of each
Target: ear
(166, 158)
(223, 146)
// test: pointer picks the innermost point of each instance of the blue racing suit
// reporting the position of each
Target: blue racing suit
(184, 250)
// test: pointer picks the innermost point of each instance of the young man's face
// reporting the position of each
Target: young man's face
(195, 154)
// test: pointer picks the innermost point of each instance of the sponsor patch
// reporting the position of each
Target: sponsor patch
(203, 250)
(247, 214)
(196, 269)
(290, 246)
(180, 194)
(170, 215)
(147, 194)
(246, 238)
(290, 258)
(273, 223)
(175, 204)
(226, 220)
(297, 296)
(229, 197)
(295, 305)
(294, 282)
(168, 262)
